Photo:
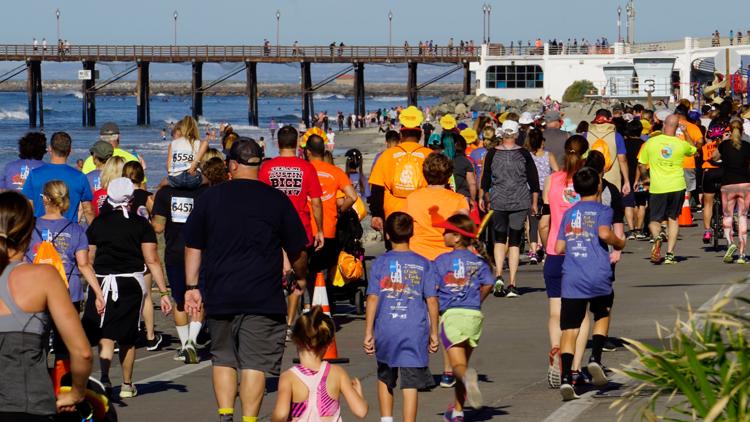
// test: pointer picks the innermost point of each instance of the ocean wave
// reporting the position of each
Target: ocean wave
(389, 99)
(13, 115)
(161, 94)
(153, 146)
(329, 97)
(77, 94)
(294, 117)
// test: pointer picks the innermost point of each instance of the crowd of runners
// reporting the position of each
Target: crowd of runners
(458, 208)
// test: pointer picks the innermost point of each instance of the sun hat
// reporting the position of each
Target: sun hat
(662, 114)
(102, 150)
(526, 118)
(501, 118)
(447, 122)
(119, 194)
(509, 129)
(411, 118)
(470, 135)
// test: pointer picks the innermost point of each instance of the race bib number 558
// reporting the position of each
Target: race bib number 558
(181, 209)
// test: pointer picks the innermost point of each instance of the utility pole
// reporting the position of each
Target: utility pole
(57, 14)
(630, 12)
(278, 23)
(175, 15)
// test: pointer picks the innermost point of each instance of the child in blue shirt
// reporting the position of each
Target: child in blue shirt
(464, 281)
(584, 236)
(401, 294)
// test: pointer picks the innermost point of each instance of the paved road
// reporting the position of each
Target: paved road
(511, 357)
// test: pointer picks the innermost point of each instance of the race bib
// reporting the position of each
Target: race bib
(181, 209)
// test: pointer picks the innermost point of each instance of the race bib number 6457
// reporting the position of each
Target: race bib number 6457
(181, 209)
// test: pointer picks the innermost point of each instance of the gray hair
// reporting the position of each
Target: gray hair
(110, 138)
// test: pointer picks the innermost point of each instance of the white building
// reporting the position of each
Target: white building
(623, 71)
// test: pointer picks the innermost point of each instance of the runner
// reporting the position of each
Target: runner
(397, 172)
(122, 245)
(545, 163)
(691, 134)
(245, 310)
(635, 201)
(356, 174)
(463, 172)
(712, 175)
(100, 152)
(110, 133)
(31, 150)
(78, 186)
(602, 136)
(735, 189)
(172, 206)
(510, 187)
(661, 157)
(27, 309)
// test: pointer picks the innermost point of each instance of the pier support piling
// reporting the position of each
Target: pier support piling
(34, 92)
(412, 92)
(359, 89)
(142, 95)
(467, 79)
(197, 90)
(307, 94)
(252, 93)
(89, 95)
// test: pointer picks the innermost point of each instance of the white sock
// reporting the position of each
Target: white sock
(195, 328)
(182, 333)
(386, 419)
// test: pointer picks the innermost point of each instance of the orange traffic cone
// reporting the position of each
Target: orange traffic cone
(320, 298)
(686, 217)
(61, 368)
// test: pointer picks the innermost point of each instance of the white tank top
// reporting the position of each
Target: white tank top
(183, 155)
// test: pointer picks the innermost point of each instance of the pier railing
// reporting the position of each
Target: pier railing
(216, 53)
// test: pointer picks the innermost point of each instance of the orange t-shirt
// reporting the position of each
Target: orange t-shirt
(695, 135)
(382, 173)
(708, 151)
(420, 205)
(332, 179)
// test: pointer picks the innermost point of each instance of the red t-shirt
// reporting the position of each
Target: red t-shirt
(298, 179)
(99, 197)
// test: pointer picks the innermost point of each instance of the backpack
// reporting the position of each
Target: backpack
(47, 254)
(602, 146)
(407, 174)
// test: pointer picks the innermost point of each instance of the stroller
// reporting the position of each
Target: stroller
(350, 282)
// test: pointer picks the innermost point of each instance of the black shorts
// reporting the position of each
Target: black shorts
(176, 278)
(418, 378)
(325, 258)
(666, 205)
(712, 180)
(573, 311)
(635, 199)
(244, 341)
(508, 226)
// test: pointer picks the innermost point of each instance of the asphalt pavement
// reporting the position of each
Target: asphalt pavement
(511, 358)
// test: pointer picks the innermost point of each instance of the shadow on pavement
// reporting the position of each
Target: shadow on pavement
(486, 413)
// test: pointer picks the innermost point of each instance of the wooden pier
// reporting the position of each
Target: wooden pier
(246, 56)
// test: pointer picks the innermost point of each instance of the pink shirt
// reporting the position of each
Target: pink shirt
(561, 196)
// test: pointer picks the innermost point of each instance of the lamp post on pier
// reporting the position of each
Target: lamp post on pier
(619, 24)
(175, 15)
(57, 15)
(390, 32)
(278, 23)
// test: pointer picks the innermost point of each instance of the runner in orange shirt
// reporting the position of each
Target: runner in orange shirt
(692, 134)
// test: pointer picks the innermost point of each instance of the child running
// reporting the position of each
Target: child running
(585, 232)
(402, 291)
(464, 282)
(311, 390)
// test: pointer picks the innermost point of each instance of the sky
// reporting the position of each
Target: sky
(354, 21)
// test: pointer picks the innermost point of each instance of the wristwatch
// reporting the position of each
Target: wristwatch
(191, 287)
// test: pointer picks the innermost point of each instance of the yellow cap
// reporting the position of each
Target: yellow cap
(313, 131)
(411, 117)
(502, 117)
(470, 135)
(447, 122)
(646, 127)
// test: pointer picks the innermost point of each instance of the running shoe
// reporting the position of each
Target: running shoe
(579, 378)
(656, 251)
(511, 291)
(598, 377)
(609, 345)
(226, 418)
(499, 289)
(191, 354)
(631, 235)
(473, 395)
(153, 344)
(533, 260)
(179, 355)
(707, 236)
(204, 338)
(555, 368)
(568, 392)
(448, 415)
(641, 236)
(448, 380)
(729, 255)
(128, 391)
(740, 260)
(670, 258)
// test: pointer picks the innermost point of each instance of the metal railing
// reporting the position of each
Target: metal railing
(498, 50)
(234, 53)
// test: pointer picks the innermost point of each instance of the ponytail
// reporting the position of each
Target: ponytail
(575, 147)
(481, 251)
(736, 136)
(314, 330)
(16, 225)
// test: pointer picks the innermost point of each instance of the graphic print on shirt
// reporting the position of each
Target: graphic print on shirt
(581, 228)
(61, 243)
(458, 281)
(666, 152)
(286, 179)
(400, 285)
(19, 178)
(569, 194)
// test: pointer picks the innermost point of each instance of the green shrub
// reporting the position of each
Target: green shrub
(701, 371)
(576, 91)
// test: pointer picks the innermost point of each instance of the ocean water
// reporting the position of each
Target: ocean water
(62, 112)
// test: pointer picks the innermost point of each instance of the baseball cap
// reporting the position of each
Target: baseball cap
(447, 122)
(102, 150)
(462, 126)
(526, 118)
(551, 116)
(662, 114)
(120, 192)
(411, 118)
(246, 151)
(109, 128)
(508, 129)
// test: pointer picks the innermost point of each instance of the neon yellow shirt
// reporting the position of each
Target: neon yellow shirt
(664, 155)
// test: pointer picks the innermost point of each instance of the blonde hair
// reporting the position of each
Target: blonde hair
(112, 170)
(736, 137)
(211, 153)
(188, 127)
(56, 192)
(313, 331)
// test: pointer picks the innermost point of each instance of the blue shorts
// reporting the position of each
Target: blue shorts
(553, 275)
(176, 277)
(185, 180)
